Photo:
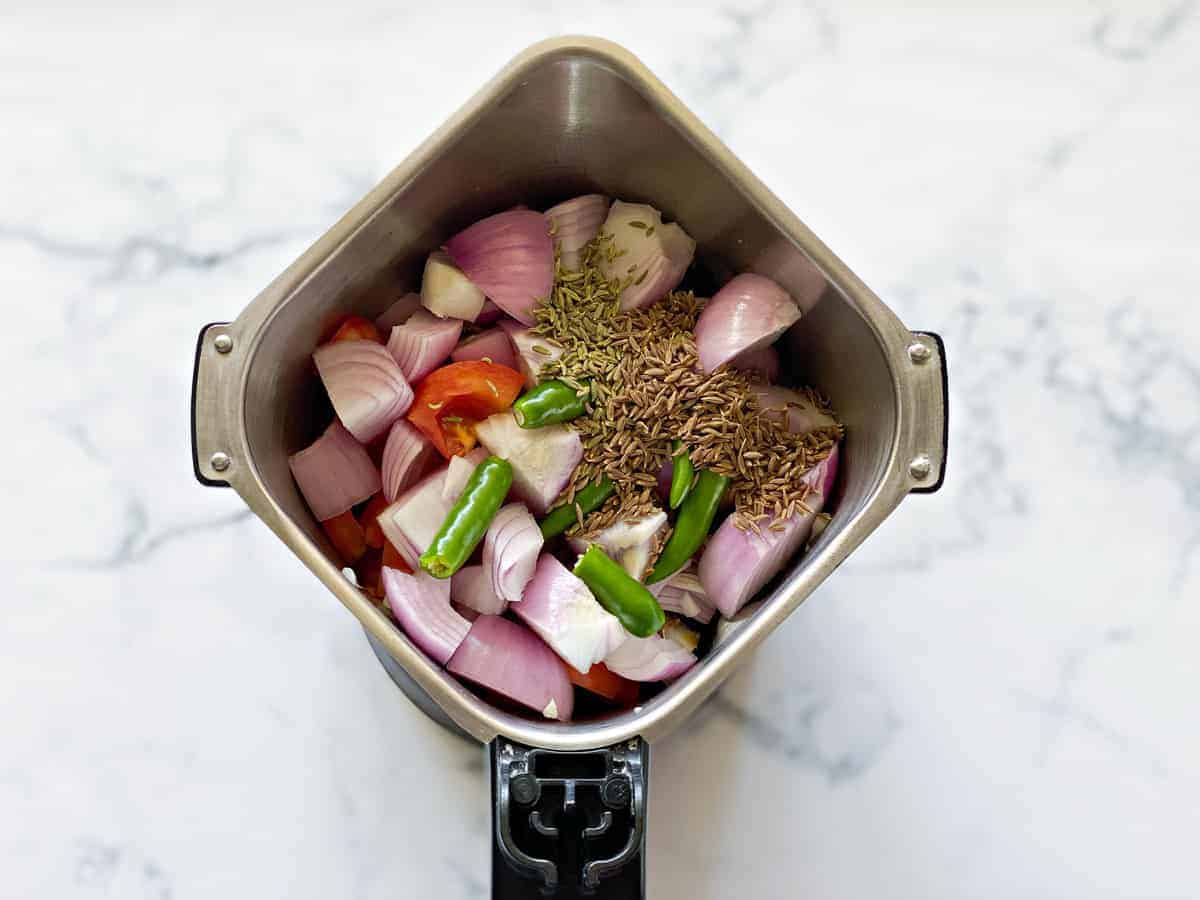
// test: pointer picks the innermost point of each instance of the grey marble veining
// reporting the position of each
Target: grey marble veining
(994, 698)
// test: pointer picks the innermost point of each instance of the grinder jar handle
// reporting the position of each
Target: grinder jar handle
(569, 824)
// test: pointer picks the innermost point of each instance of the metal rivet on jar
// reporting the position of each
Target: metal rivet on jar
(919, 352)
(219, 461)
(920, 467)
(223, 343)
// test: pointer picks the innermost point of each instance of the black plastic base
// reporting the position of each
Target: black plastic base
(568, 825)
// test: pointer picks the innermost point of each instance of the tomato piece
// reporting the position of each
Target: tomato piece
(460, 434)
(369, 570)
(356, 328)
(599, 680)
(392, 558)
(347, 537)
(449, 400)
(369, 520)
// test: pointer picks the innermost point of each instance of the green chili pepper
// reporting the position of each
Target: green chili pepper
(550, 403)
(682, 474)
(620, 593)
(469, 518)
(563, 517)
(691, 526)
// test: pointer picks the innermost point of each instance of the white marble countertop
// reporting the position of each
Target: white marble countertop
(996, 697)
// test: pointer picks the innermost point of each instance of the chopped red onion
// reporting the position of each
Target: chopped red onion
(529, 360)
(398, 312)
(791, 409)
(650, 659)
(512, 661)
(510, 551)
(651, 257)
(563, 612)
(366, 387)
(446, 291)
(542, 458)
(334, 473)
(511, 257)
(628, 543)
(407, 456)
(411, 522)
(422, 343)
(736, 564)
(574, 223)
(683, 593)
(469, 586)
(751, 311)
(458, 473)
(493, 344)
(761, 361)
(421, 604)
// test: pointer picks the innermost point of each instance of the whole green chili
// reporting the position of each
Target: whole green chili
(620, 593)
(550, 403)
(682, 474)
(468, 519)
(691, 526)
(588, 498)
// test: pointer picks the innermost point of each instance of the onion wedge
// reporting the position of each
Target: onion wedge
(542, 458)
(574, 223)
(512, 661)
(649, 258)
(447, 292)
(510, 257)
(750, 312)
(366, 387)
(736, 564)
(628, 543)
(560, 608)
(510, 552)
(422, 343)
(421, 604)
(334, 473)
(650, 659)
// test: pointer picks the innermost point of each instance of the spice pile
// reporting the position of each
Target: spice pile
(640, 371)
